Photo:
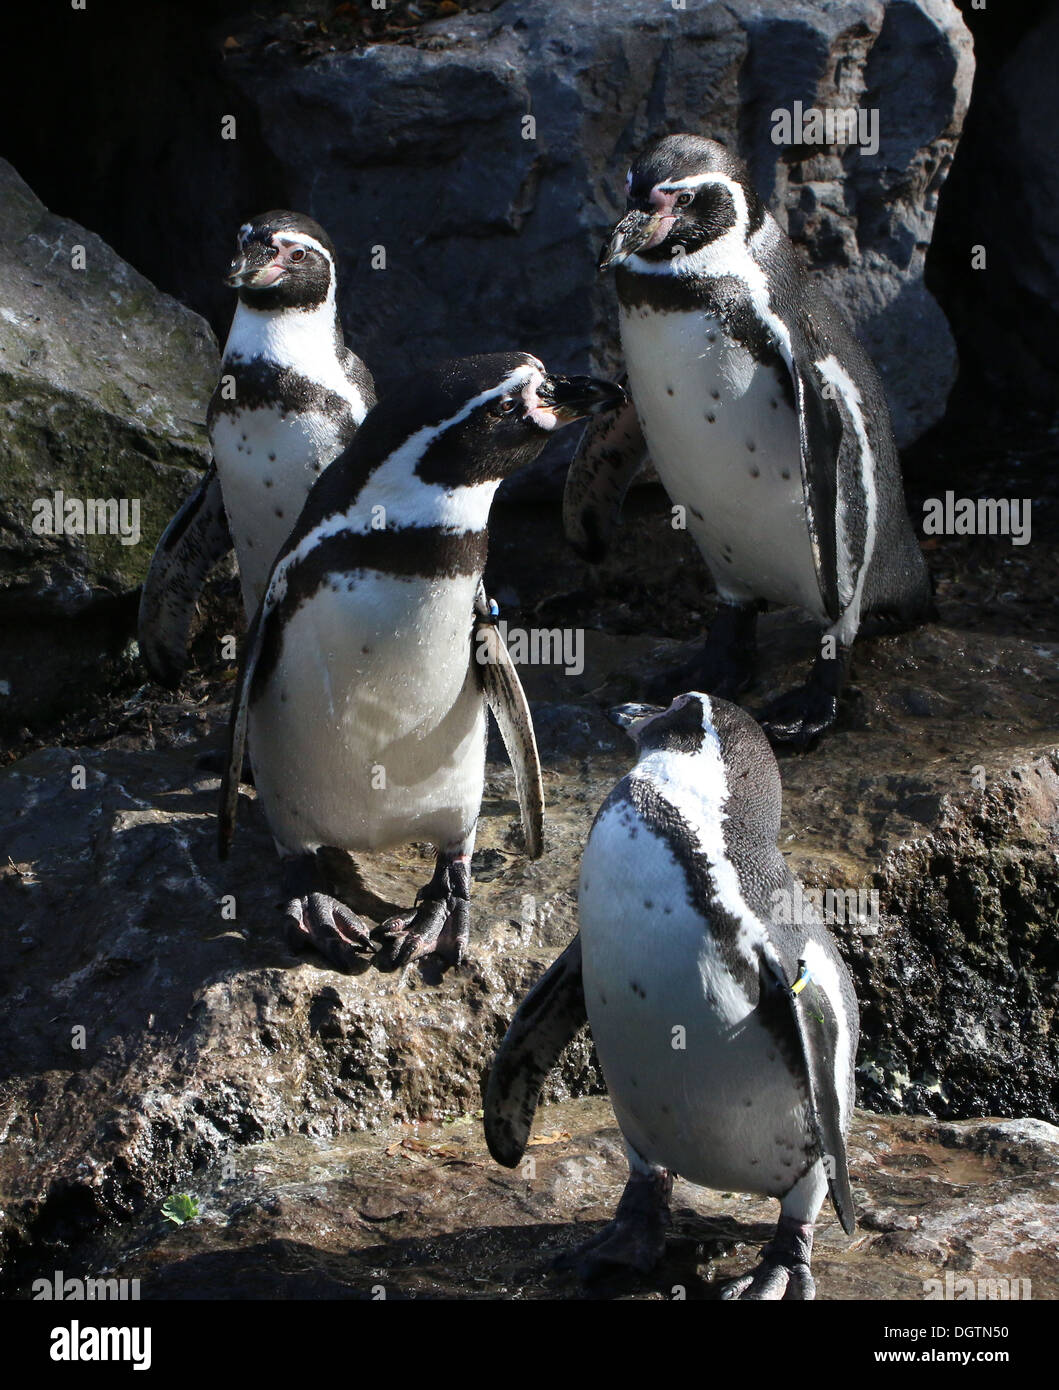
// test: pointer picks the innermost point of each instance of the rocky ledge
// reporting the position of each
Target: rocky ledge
(155, 1025)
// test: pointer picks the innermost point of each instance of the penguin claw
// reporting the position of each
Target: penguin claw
(635, 1239)
(783, 1272)
(438, 926)
(773, 1281)
(321, 921)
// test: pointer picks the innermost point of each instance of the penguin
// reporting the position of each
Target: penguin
(368, 667)
(726, 1032)
(290, 398)
(766, 422)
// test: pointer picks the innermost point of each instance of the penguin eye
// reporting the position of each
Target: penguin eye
(685, 199)
(298, 254)
(506, 406)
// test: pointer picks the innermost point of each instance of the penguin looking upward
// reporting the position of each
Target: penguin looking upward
(290, 398)
(727, 1033)
(765, 420)
(369, 665)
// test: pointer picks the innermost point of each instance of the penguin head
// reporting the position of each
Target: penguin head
(480, 418)
(681, 727)
(698, 724)
(283, 260)
(682, 194)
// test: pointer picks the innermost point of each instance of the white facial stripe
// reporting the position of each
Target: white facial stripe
(540, 415)
(409, 500)
(849, 593)
(696, 181)
(302, 239)
(696, 786)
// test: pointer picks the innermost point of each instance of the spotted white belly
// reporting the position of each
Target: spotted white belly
(267, 464)
(371, 730)
(725, 443)
(721, 1110)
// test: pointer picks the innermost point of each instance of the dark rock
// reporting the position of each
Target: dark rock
(103, 388)
(1003, 197)
(491, 239)
(439, 127)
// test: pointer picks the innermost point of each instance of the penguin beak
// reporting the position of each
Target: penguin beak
(573, 397)
(632, 716)
(635, 232)
(254, 271)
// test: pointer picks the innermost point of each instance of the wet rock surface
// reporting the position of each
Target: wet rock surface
(205, 1037)
(422, 1211)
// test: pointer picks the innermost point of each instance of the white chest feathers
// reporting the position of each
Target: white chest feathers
(723, 435)
(370, 732)
(295, 414)
(698, 1084)
(268, 460)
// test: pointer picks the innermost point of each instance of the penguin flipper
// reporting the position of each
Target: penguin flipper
(357, 374)
(192, 543)
(237, 720)
(820, 432)
(548, 1018)
(816, 1027)
(611, 453)
(507, 700)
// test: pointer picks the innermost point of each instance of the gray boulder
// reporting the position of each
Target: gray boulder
(103, 389)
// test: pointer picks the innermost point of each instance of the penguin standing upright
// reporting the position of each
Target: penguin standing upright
(290, 398)
(369, 665)
(766, 422)
(726, 1031)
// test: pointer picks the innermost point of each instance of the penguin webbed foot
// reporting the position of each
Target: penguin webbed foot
(635, 1239)
(439, 925)
(322, 921)
(317, 919)
(797, 718)
(783, 1273)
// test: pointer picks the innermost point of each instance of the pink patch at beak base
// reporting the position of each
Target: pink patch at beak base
(663, 222)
